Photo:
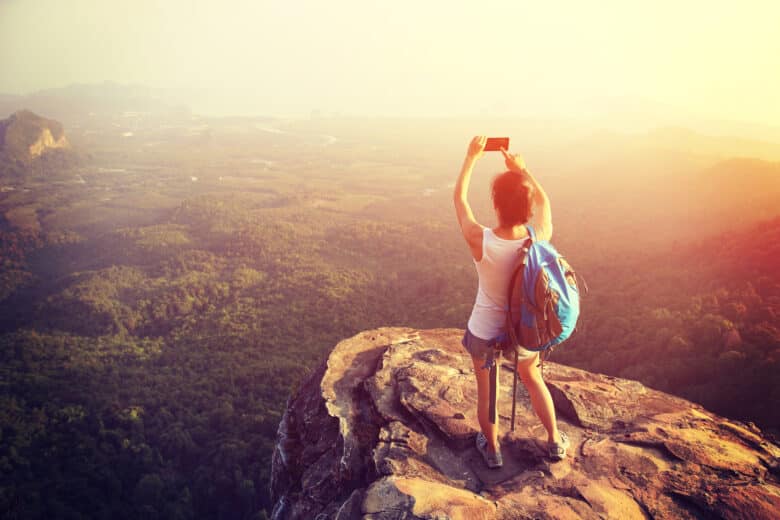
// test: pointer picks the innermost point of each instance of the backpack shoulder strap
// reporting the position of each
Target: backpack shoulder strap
(531, 231)
(510, 318)
(518, 272)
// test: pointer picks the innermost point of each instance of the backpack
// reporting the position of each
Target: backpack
(549, 308)
(549, 298)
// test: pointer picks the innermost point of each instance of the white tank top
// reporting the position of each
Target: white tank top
(499, 258)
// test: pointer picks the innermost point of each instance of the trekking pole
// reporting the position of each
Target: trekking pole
(514, 392)
(493, 407)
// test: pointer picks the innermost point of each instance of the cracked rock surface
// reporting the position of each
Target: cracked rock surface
(385, 430)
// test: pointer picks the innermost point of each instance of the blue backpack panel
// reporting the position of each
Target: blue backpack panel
(549, 296)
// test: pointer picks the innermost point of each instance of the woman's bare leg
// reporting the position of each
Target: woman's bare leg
(483, 403)
(541, 400)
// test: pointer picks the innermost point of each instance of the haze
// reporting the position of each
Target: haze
(664, 60)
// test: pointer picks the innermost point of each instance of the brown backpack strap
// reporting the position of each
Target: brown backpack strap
(510, 321)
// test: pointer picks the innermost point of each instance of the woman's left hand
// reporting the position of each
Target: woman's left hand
(514, 162)
(476, 147)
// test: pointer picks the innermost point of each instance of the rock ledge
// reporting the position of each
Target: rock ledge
(385, 430)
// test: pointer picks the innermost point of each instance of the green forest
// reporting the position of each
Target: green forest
(149, 348)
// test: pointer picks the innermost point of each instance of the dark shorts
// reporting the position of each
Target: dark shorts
(479, 348)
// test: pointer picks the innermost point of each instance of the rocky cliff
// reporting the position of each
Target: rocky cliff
(385, 430)
(30, 144)
(26, 136)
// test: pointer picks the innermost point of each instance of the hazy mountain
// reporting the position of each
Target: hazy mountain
(746, 185)
(30, 144)
(744, 174)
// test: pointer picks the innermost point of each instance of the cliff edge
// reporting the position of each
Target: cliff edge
(385, 430)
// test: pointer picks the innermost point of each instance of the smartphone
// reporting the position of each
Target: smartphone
(494, 144)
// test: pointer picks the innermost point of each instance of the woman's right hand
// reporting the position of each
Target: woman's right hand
(514, 162)
(476, 147)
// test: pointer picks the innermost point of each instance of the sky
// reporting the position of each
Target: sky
(711, 59)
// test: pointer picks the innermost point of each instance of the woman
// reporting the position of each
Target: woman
(518, 200)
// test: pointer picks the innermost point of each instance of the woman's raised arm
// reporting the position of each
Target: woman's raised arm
(542, 212)
(471, 229)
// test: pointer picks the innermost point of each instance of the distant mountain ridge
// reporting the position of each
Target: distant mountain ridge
(736, 187)
(75, 103)
(741, 171)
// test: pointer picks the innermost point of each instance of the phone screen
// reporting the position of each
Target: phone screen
(494, 144)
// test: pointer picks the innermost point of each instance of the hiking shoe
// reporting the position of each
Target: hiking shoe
(493, 460)
(557, 450)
